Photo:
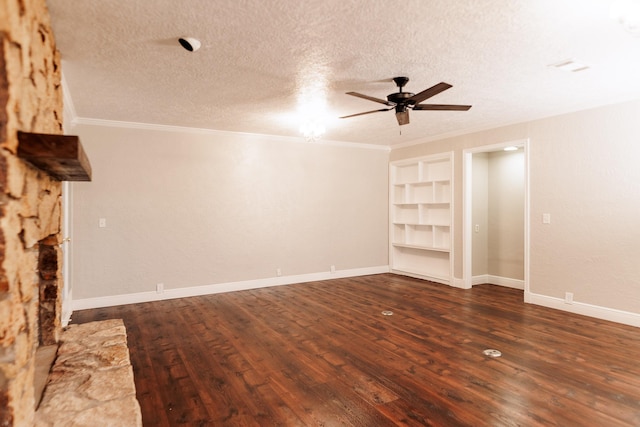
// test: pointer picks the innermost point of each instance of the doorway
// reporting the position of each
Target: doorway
(496, 215)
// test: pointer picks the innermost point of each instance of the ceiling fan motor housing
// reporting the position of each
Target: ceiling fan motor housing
(399, 97)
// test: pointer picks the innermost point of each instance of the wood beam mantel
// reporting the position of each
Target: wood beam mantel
(60, 156)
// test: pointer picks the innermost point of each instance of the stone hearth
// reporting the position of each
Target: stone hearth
(91, 381)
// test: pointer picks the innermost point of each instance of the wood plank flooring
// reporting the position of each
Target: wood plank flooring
(322, 354)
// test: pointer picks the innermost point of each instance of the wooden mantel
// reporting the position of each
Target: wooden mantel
(60, 156)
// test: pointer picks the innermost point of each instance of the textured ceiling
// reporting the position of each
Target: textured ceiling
(263, 65)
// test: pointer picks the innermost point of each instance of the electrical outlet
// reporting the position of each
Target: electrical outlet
(278, 272)
(333, 269)
(546, 218)
(568, 298)
(102, 222)
(160, 288)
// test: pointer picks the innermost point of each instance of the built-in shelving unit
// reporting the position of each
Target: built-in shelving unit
(421, 212)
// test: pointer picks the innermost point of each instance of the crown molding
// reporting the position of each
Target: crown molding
(213, 132)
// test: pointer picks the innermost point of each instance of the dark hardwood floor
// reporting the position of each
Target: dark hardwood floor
(323, 354)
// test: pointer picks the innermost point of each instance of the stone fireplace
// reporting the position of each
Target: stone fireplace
(30, 204)
(92, 378)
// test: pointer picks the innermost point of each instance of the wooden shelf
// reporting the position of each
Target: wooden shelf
(60, 156)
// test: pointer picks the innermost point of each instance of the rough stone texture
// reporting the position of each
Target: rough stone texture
(50, 300)
(91, 382)
(30, 202)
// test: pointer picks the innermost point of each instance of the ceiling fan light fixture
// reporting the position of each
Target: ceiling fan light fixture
(402, 117)
(312, 130)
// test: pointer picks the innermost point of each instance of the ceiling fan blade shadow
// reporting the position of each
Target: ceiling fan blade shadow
(366, 112)
(371, 98)
(441, 107)
(428, 93)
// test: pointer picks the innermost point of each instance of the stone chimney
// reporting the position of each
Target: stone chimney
(30, 204)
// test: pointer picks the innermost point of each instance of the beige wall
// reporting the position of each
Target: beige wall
(584, 172)
(480, 214)
(189, 209)
(498, 211)
(505, 228)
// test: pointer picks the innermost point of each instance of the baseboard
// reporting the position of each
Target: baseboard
(497, 280)
(479, 279)
(599, 312)
(459, 283)
(134, 298)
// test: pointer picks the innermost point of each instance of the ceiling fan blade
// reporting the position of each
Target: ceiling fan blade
(441, 107)
(370, 98)
(366, 112)
(428, 93)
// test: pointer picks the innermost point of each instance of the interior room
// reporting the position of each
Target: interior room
(320, 213)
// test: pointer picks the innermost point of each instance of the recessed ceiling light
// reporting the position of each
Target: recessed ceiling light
(570, 65)
(189, 43)
(627, 14)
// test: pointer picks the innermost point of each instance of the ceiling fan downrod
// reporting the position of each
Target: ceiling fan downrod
(401, 82)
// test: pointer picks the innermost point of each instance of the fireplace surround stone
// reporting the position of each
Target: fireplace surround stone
(30, 204)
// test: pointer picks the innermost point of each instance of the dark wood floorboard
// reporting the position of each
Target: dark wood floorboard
(322, 354)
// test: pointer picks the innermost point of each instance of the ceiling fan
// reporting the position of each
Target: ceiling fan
(402, 102)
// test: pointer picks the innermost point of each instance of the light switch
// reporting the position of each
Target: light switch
(477, 228)
(546, 218)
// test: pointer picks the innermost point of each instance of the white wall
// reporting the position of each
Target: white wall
(583, 171)
(188, 209)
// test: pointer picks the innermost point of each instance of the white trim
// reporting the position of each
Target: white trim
(527, 218)
(113, 300)
(480, 279)
(68, 120)
(599, 312)
(221, 133)
(67, 310)
(452, 218)
(459, 283)
(70, 117)
(67, 283)
(435, 279)
(467, 218)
